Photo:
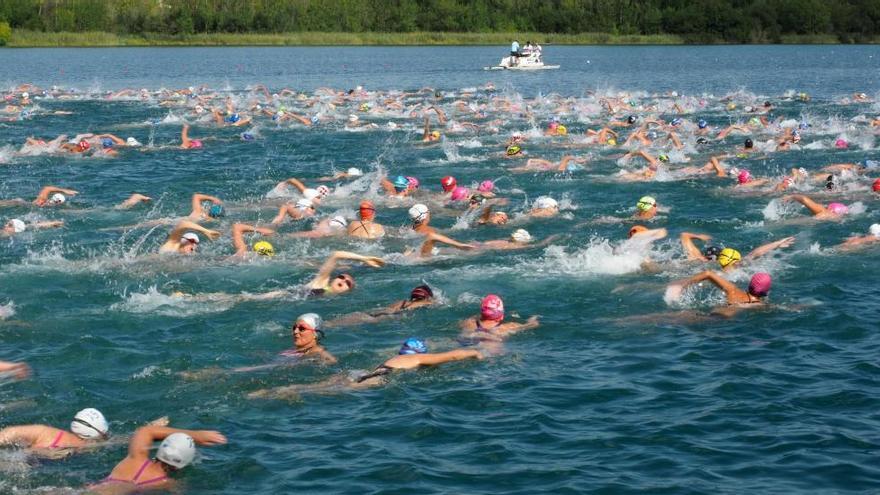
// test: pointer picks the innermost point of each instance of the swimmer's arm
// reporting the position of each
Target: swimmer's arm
(47, 191)
(296, 183)
(184, 136)
(323, 276)
(485, 214)
(21, 370)
(142, 441)
(285, 211)
(441, 115)
(197, 199)
(388, 186)
(48, 225)
(447, 357)
(115, 139)
(770, 246)
(238, 231)
(427, 131)
(838, 167)
(722, 283)
(435, 237)
(563, 165)
(133, 200)
(25, 436)
(511, 328)
(185, 225)
(326, 357)
(300, 118)
(815, 208)
(687, 242)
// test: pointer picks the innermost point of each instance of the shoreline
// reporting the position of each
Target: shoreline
(37, 39)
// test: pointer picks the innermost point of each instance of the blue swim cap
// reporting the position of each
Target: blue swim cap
(702, 124)
(315, 119)
(803, 125)
(676, 121)
(401, 182)
(871, 164)
(413, 346)
(233, 118)
(216, 211)
(247, 136)
(107, 142)
(652, 135)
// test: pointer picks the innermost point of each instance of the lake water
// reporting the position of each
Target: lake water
(616, 392)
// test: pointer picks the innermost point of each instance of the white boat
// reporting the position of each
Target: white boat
(531, 61)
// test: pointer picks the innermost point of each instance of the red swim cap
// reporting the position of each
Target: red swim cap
(876, 185)
(492, 308)
(448, 183)
(367, 210)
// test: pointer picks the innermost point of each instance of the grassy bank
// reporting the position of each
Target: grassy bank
(24, 38)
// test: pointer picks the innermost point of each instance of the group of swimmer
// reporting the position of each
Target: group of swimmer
(626, 124)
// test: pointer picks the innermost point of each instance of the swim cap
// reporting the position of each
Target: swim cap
(553, 125)
(731, 106)
(513, 150)
(132, 142)
(25, 95)
(355, 172)
(304, 204)
(264, 248)
(448, 183)
(702, 124)
(89, 424)
(728, 256)
(486, 186)
(247, 136)
(760, 284)
(663, 157)
(313, 320)
(803, 125)
(190, 237)
(177, 450)
(645, 203)
(400, 183)
(712, 252)
(544, 202)
(876, 185)
(874, 230)
(57, 199)
(17, 225)
(367, 210)
(421, 293)
(337, 222)
(652, 135)
(322, 190)
(107, 142)
(838, 208)
(492, 308)
(675, 121)
(748, 143)
(314, 119)
(754, 121)
(521, 235)
(561, 130)
(412, 183)
(413, 345)
(435, 134)
(611, 142)
(460, 193)
(365, 107)
(353, 118)
(418, 213)
(83, 145)
(744, 176)
(216, 211)
(195, 144)
(841, 144)
(829, 182)
(749, 108)
(702, 140)
(631, 119)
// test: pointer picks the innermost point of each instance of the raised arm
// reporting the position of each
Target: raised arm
(20, 370)
(427, 131)
(323, 276)
(721, 282)
(142, 441)
(197, 199)
(687, 243)
(814, 207)
(238, 231)
(434, 237)
(770, 246)
(47, 191)
(184, 225)
(511, 328)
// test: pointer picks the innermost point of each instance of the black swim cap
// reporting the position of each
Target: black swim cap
(712, 252)
(829, 182)
(702, 140)
(748, 143)
(631, 119)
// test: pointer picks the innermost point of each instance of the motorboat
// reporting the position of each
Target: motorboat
(529, 61)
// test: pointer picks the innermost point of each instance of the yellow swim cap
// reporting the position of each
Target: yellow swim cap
(264, 248)
(435, 134)
(728, 257)
(561, 130)
(731, 106)
(612, 142)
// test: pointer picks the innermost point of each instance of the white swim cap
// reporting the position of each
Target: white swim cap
(392, 125)
(89, 424)
(353, 118)
(25, 95)
(323, 190)
(132, 142)
(874, 229)
(311, 193)
(17, 225)
(418, 212)
(355, 171)
(190, 237)
(177, 450)
(546, 202)
(521, 235)
(304, 204)
(338, 222)
(57, 199)
(311, 319)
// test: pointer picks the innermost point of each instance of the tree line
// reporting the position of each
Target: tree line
(738, 21)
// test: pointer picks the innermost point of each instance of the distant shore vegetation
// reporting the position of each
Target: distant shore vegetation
(433, 22)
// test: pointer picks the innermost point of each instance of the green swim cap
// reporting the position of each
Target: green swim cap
(646, 203)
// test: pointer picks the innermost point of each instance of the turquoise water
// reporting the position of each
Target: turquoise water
(617, 392)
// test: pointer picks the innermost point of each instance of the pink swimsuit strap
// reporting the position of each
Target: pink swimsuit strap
(54, 444)
(134, 481)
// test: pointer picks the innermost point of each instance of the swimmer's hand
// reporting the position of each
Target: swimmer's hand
(163, 421)
(784, 243)
(212, 234)
(374, 261)
(209, 437)
(264, 230)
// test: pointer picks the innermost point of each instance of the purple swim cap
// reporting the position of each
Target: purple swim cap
(760, 284)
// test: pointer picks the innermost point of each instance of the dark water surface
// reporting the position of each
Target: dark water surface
(617, 392)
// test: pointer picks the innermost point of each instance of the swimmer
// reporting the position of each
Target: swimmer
(489, 326)
(134, 200)
(420, 297)
(413, 354)
(401, 187)
(263, 248)
(544, 207)
(17, 226)
(53, 196)
(351, 173)
(429, 136)
(185, 142)
(519, 239)
(326, 227)
(304, 208)
(199, 210)
(314, 195)
(834, 211)
(87, 428)
(18, 371)
(744, 179)
(646, 208)
(323, 284)
(180, 241)
(540, 165)
(428, 247)
(861, 241)
(489, 217)
(759, 288)
(366, 227)
(137, 472)
(726, 257)
(421, 218)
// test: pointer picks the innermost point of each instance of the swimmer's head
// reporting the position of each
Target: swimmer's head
(314, 119)
(675, 122)
(307, 329)
(876, 186)
(702, 140)
(838, 209)
(513, 150)
(343, 282)
(448, 183)
(323, 191)
(57, 199)
(759, 285)
(14, 226)
(646, 203)
(631, 119)
(413, 345)
(421, 293)
(264, 248)
(702, 124)
(419, 213)
(400, 183)
(353, 118)
(107, 142)
(663, 157)
(728, 257)
(90, 424)
(492, 308)
(712, 252)
(83, 145)
(337, 223)
(521, 235)
(412, 183)
(841, 144)
(188, 242)
(545, 203)
(435, 135)
(731, 106)
(355, 172)
(460, 193)
(247, 136)
(195, 144)
(744, 176)
(748, 143)
(367, 210)
(130, 141)
(830, 183)
(611, 142)
(874, 230)
(216, 211)
(486, 186)
(636, 229)
(311, 194)
(498, 218)
(177, 450)
(561, 130)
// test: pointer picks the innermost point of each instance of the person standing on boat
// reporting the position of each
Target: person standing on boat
(514, 53)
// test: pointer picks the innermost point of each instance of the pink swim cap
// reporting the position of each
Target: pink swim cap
(492, 308)
(838, 208)
(460, 193)
(553, 126)
(744, 176)
(486, 186)
(195, 144)
(841, 144)
(412, 182)
(760, 284)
